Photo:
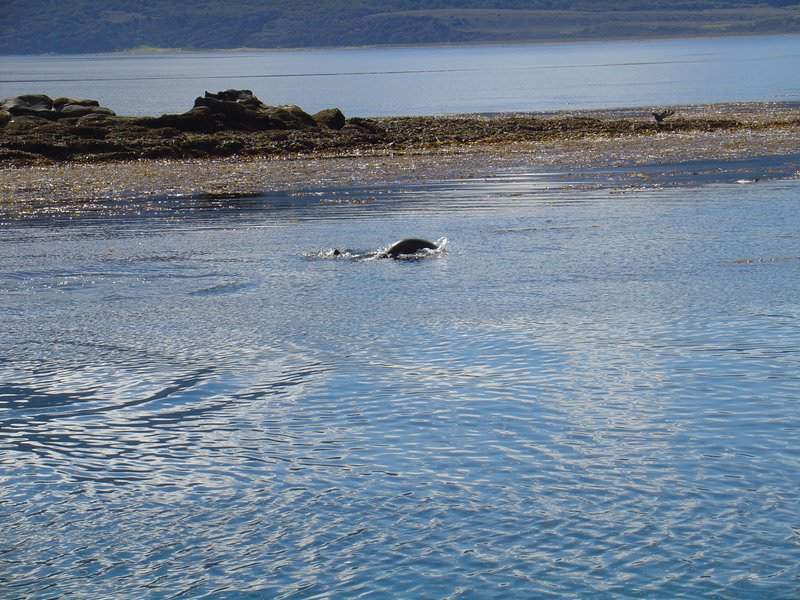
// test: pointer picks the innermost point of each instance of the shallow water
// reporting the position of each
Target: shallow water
(589, 393)
(414, 81)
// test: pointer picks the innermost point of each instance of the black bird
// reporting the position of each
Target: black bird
(660, 116)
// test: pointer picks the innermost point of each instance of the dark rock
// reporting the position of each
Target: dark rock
(239, 116)
(101, 119)
(168, 132)
(242, 110)
(365, 125)
(39, 105)
(290, 117)
(21, 111)
(232, 115)
(199, 119)
(53, 128)
(25, 124)
(244, 97)
(90, 146)
(74, 111)
(87, 131)
(46, 149)
(232, 110)
(230, 147)
(332, 118)
(5, 117)
(60, 103)
(74, 108)
(231, 95)
(254, 103)
(103, 110)
(18, 155)
(27, 105)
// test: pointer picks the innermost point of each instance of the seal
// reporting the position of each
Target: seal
(408, 247)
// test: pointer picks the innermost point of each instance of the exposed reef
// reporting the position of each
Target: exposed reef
(36, 129)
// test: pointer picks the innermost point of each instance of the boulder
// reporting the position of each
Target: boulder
(234, 115)
(74, 108)
(60, 103)
(244, 97)
(103, 111)
(100, 119)
(332, 118)
(75, 111)
(241, 109)
(5, 117)
(291, 116)
(227, 108)
(200, 119)
(232, 95)
(250, 114)
(39, 105)
(27, 105)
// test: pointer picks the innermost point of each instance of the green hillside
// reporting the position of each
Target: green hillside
(67, 26)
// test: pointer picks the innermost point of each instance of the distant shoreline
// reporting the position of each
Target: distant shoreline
(145, 50)
(466, 23)
(153, 50)
(419, 149)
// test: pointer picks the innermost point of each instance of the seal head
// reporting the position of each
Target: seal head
(409, 247)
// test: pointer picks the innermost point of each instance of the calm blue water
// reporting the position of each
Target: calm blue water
(591, 394)
(412, 81)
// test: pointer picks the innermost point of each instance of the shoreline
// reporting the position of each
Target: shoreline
(426, 149)
(230, 129)
(146, 50)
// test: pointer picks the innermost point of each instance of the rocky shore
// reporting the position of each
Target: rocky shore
(36, 129)
(237, 147)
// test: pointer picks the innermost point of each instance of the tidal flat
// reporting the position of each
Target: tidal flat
(420, 149)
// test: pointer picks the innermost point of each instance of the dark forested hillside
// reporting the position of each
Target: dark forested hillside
(38, 26)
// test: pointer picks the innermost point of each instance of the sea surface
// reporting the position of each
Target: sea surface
(413, 81)
(592, 391)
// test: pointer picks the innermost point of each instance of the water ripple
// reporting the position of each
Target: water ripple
(589, 398)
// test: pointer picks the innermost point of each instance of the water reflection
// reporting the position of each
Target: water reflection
(588, 394)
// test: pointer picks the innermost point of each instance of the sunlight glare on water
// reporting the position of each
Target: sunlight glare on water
(587, 394)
